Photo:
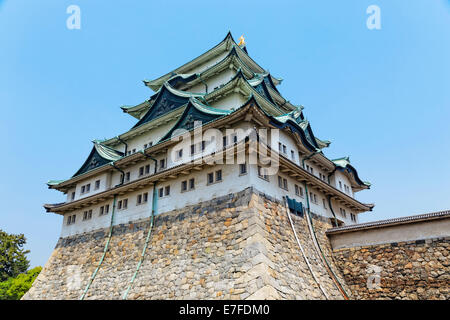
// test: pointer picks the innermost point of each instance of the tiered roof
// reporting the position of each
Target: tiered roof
(173, 102)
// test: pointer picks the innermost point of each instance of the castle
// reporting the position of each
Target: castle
(220, 190)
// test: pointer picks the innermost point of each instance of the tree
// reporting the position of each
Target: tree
(12, 255)
(15, 288)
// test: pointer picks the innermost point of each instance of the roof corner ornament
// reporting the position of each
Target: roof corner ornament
(241, 41)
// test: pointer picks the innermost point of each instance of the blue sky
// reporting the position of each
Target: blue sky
(381, 96)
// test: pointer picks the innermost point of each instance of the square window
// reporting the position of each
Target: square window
(219, 175)
(210, 178)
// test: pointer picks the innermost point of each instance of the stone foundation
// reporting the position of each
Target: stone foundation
(401, 270)
(235, 247)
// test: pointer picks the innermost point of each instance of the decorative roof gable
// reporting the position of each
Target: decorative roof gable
(99, 156)
(167, 100)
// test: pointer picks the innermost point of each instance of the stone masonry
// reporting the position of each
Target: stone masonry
(236, 247)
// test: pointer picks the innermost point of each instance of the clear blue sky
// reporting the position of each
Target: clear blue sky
(381, 96)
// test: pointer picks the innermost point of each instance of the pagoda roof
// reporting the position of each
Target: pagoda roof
(99, 156)
(225, 45)
(165, 100)
(195, 111)
(240, 84)
(343, 164)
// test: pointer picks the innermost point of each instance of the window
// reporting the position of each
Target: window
(119, 205)
(167, 191)
(298, 191)
(292, 155)
(127, 176)
(161, 192)
(192, 149)
(134, 151)
(73, 196)
(71, 219)
(343, 213)
(225, 140)
(147, 169)
(284, 149)
(340, 185)
(125, 203)
(203, 145)
(141, 171)
(210, 178)
(243, 168)
(313, 197)
(104, 209)
(142, 198)
(87, 215)
(218, 175)
(324, 203)
(150, 144)
(187, 185)
(162, 164)
(145, 146)
(180, 154)
(262, 173)
(97, 184)
(282, 183)
(83, 189)
(234, 137)
(353, 217)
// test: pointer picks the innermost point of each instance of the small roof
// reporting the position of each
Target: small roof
(344, 165)
(99, 156)
(225, 45)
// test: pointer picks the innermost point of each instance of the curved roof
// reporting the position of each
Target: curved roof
(99, 156)
(343, 164)
(226, 44)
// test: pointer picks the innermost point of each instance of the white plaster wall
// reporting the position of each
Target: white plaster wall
(233, 100)
(214, 81)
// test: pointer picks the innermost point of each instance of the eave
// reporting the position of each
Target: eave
(225, 45)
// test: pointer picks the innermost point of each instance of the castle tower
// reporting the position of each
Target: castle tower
(196, 199)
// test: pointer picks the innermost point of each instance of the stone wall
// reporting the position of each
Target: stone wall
(239, 246)
(401, 270)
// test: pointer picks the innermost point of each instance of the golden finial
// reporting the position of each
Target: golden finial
(241, 41)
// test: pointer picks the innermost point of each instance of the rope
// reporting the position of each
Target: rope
(125, 294)
(324, 259)
(104, 251)
(303, 252)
